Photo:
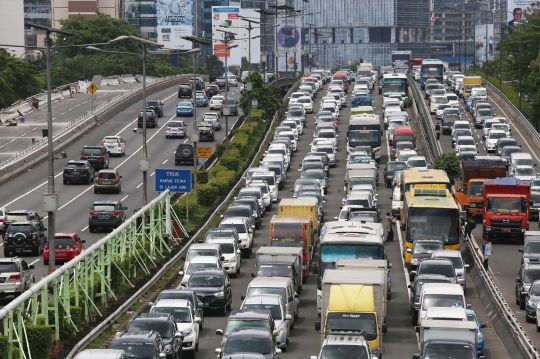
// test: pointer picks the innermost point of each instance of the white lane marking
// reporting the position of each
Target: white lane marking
(1, 244)
(164, 162)
(124, 198)
(183, 142)
(139, 185)
(37, 260)
(153, 173)
(84, 229)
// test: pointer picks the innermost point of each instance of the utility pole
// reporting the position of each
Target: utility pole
(50, 198)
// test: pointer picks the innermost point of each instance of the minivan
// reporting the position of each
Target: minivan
(403, 133)
(440, 295)
(520, 158)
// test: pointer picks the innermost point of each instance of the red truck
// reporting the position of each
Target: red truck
(470, 189)
(506, 207)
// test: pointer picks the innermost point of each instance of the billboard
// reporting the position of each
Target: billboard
(227, 18)
(515, 10)
(175, 18)
(288, 35)
(481, 45)
(400, 61)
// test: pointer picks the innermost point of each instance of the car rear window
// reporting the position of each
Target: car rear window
(63, 242)
(17, 217)
(185, 86)
(176, 124)
(21, 227)
(76, 165)
(91, 151)
(9, 267)
(104, 207)
(110, 140)
(106, 175)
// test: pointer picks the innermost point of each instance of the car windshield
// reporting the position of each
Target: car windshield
(439, 100)
(405, 155)
(237, 324)
(535, 197)
(530, 275)
(195, 266)
(485, 112)
(506, 205)
(205, 281)
(240, 227)
(437, 268)
(525, 171)
(466, 142)
(180, 314)
(104, 207)
(427, 247)
(274, 271)
(314, 174)
(272, 308)
(456, 261)
(63, 242)
(442, 300)
(496, 135)
(509, 151)
(244, 344)
(201, 253)
(437, 350)
(141, 349)
(417, 163)
(344, 351)
(227, 248)
(326, 134)
(162, 327)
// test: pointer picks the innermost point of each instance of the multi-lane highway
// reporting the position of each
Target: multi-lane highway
(400, 341)
(505, 260)
(25, 191)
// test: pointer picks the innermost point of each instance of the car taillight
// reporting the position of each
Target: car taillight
(15, 277)
(118, 144)
(83, 158)
(115, 177)
(66, 168)
(85, 169)
(102, 143)
(101, 158)
(211, 132)
(180, 128)
(34, 235)
(115, 213)
(93, 213)
(168, 128)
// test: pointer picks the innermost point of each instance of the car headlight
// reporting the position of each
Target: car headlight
(219, 294)
(232, 260)
(168, 348)
(531, 306)
(187, 332)
(414, 261)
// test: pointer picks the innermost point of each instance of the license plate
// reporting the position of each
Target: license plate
(107, 182)
(76, 172)
(61, 254)
(506, 229)
(103, 216)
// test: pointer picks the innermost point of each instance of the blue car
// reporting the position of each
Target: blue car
(184, 108)
(471, 316)
(201, 99)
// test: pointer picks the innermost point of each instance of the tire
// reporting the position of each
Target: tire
(414, 318)
(119, 190)
(521, 304)
(65, 181)
(36, 251)
(238, 270)
(89, 180)
(304, 280)
(91, 229)
(245, 254)
(45, 262)
(95, 190)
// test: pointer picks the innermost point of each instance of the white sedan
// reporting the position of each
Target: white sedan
(115, 145)
(492, 138)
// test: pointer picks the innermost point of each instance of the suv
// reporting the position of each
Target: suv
(214, 74)
(151, 119)
(189, 295)
(107, 180)
(184, 90)
(246, 318)
(106, 214)
(211, 90)
(213, 119)
(155, 105)
(213, 288)
(221, 82)
(165, 325)
(15, 276)
(206, 132)
(528, 273)
(98, 156)
(78, 170)
(139, 344)
(24, 236)
(185, 153)
(250, 340)
(232, 104)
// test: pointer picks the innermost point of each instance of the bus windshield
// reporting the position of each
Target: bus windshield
(364, 137)
(433, 223)
(397, 85)
(330, 253)
(432, 71)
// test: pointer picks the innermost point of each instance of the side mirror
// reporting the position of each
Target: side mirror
(520, 250)
(416, 356)
(218, 351)
(317, 325)
(198, 320)
(288, 317)
(290, 299)
(278, 351)
(243, 296)
(222, 258)
(83, 241)
(162, 356)
(219, 331)
(239, 252)
(314, 269)
(181, 273)
(252, 275)
(483, 325)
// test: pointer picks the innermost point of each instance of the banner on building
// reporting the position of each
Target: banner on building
(174, 19)
(516, 10)
(288, 35)
(229, 28)
(401, 61)
(484, 43)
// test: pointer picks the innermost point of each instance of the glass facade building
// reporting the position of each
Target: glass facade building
(142, 15)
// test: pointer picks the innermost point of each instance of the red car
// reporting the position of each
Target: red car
(68, 246)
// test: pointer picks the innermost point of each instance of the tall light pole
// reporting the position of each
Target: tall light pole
(144, 162)
(50, 198)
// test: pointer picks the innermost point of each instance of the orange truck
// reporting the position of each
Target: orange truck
(294, 231)
(470, 189)
(506, 207)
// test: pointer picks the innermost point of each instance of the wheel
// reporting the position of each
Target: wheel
(197, 346)
(35, 250)
(118, 190)
(228, 307)
(238, 270)
(45, 262)
(107, 164)
(414, 318)
(89, 180)
(521, 304)
(65, 181)
(6, 254)
(91, 229)
(95, 190)
(304, 279)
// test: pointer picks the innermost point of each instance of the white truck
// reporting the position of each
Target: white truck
(368, 264)
(279, 259)
(364, 70)
(447, 338)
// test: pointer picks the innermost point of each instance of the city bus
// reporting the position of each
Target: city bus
(365, 129)
(396, 84)
(428, 178)
(429, 214)
(431, 69)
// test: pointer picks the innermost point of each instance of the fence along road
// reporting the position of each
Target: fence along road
(505, 260)
(25, 191)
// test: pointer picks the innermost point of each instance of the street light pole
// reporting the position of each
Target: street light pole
(50, 199)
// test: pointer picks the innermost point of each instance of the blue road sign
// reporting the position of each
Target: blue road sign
(173, 180)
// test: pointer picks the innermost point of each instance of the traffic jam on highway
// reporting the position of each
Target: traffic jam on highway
(307, 243)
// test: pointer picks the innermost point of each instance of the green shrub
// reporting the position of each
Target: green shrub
(223, 182)
(17, 353)
(39, 340)
(240, 141)
(220, 149)
(78, 317)
(202, 176)
(231, 162)
(217, 169)
(180, 206)
(4, 345)
(257, 115)
(207, 194)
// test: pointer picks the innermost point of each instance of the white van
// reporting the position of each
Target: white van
(440, 295)
(276, 285)
(203, 249)
(479, 91)
(520, 159)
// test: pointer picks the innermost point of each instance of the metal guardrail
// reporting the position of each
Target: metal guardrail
(87, 280)
(105, 324)
(519, 115)
(498, 299)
